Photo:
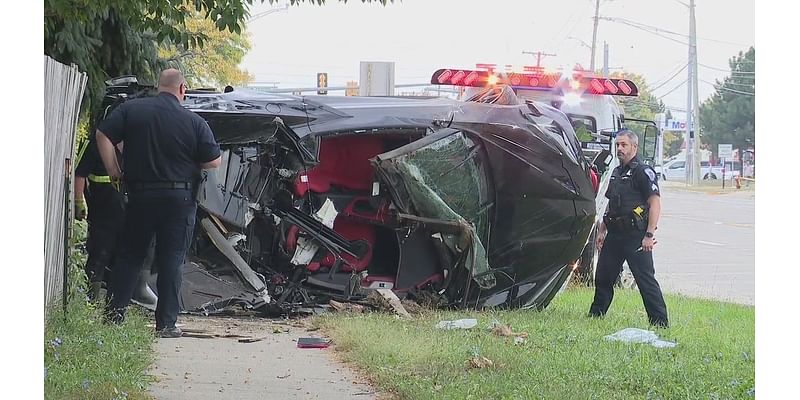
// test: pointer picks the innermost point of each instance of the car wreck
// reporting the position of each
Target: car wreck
(481, 203)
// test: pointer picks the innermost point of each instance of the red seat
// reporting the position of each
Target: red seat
(343, 162)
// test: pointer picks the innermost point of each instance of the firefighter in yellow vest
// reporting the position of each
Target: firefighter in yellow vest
(103, 205)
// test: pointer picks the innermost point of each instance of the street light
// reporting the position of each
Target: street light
(268, 12)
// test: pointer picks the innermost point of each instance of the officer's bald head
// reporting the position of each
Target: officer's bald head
(172, 81)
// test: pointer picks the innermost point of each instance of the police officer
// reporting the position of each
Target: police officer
(103, 206)
(166, 146)
(630, 224)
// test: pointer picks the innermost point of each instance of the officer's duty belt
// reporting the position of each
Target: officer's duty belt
(99, 178)
(619, 224)
(158, 185)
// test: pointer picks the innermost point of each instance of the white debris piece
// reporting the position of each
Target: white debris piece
(327, 213)
(458, 324)
(636, 335)
(306, 248)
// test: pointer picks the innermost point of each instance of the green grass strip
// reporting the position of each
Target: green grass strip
(564, 356)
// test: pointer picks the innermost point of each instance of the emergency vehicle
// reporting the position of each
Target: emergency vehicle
(589, 102)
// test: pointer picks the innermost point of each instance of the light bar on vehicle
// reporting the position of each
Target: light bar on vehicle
(538, 80)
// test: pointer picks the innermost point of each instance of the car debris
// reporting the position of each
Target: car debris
(458, 324)
(312, 343)
(636, 335)
(477, 204)
(479, 362)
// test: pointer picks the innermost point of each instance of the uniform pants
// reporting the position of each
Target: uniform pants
(106, 218)
(169, 216)
(617, 248)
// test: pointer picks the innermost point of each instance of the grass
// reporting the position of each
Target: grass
(564, 357)
(86, 359)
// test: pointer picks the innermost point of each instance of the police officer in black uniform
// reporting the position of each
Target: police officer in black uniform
(106, 214)
(630, 222)
(165, 148)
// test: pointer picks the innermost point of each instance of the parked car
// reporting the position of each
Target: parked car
(482, 203)
(675, 170)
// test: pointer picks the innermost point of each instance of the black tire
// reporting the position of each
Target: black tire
(710, 176)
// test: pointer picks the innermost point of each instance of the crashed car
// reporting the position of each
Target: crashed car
(472, 204)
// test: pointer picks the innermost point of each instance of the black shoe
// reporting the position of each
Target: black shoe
(660, 324)
(173, 332)
(115, 317)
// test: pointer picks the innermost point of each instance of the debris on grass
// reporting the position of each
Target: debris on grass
(636, 335)
(468, 323)
(479, 362)
(346, 307)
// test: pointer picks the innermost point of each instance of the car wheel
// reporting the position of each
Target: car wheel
(709, 176)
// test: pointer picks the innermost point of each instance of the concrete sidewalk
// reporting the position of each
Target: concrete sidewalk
(220, 368)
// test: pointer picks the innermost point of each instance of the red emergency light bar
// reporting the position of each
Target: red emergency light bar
(538, 80)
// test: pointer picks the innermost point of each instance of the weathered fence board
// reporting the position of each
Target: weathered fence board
(63, 91)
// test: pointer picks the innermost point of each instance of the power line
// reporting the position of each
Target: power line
(657, 29)
(746, 85)
(625, 22)
(673, 89)
(671, 71)
(670, 78)
(728, 90)
(728, 70)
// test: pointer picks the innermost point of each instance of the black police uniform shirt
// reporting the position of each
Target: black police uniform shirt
(643, 180)
(164, 142)
(91, 163)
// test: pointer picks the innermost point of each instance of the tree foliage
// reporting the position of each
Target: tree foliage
(729, 115)
(216, 64)
(109, 38)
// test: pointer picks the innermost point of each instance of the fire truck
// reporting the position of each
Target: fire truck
(589, 102)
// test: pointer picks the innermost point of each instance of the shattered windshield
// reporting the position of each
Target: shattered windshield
(445, 181)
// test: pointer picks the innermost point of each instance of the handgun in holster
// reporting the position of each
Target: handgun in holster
(640, 217)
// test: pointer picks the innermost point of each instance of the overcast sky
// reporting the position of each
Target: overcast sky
(420, 36)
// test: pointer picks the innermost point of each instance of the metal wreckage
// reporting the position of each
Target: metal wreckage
(481, 203)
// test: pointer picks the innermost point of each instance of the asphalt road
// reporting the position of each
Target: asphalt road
(706, 244)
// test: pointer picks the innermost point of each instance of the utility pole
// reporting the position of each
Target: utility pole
(594, 33)
(605, 59)
(538, 55)
(696, 93)
(692, 110)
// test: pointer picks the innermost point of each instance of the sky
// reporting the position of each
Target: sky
(420, 36)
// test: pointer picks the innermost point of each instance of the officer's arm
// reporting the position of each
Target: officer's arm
(80, 186)
(654, 205)
(109, 156)
(215, 163)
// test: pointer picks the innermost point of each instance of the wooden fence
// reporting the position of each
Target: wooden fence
(63, 91)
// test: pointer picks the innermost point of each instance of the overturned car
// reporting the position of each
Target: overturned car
(482, 203)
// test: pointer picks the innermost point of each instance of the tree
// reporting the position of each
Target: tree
(217, 63)
(729, 115)
(109, 38)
